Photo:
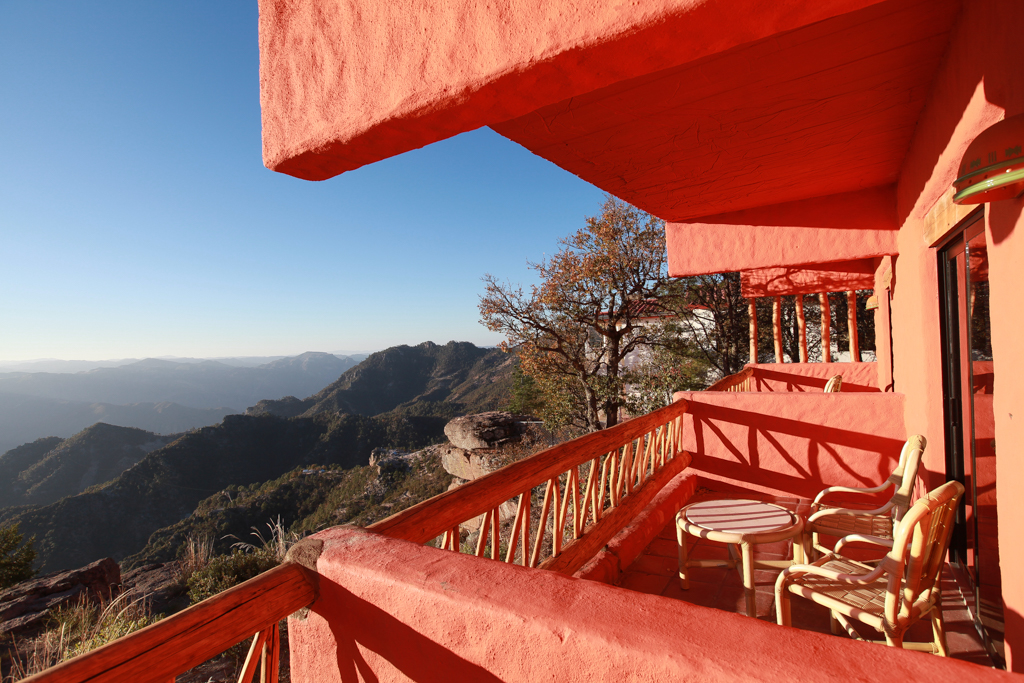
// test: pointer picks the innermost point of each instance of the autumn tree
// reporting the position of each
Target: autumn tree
(574, 330)
(712, 320)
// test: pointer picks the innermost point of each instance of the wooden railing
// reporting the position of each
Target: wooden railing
(180, 642)
(628, 464)
(741, 381)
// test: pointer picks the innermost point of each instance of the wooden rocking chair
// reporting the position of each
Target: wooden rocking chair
(879, 522)
(892, 596)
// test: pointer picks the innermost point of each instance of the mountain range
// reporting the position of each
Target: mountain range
(398, 398)
(157, 395)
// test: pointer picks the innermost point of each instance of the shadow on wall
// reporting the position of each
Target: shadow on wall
(794, 444)
(771, 381)
(361, 626)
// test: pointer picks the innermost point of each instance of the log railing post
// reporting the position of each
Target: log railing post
(777, 327)
(826, 328)
(752, 307)
(801, 324)
(851, 307)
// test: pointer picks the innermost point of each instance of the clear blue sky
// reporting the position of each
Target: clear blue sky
(137, 218)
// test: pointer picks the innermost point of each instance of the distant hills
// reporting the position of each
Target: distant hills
(161, 396)
(207, 384)
(27, 418)
(397, 398)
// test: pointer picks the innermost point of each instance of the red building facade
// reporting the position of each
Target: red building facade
(811, 145)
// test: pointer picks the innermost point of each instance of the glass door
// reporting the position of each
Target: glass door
(968, 375)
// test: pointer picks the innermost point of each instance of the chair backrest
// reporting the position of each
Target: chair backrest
(834, 384)
(904, 476)
(919, 549)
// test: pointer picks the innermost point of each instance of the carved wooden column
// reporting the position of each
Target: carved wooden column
(777, 327)
(826, 328)
(801, 325)
(752, 307)
(851, 309)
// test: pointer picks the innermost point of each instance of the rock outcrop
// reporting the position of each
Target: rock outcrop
(486, 430)
(25, 609)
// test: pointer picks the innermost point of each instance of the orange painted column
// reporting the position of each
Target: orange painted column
(826, 328)
(752, 311)
(777, 327)
(801, 324)
(851, 314)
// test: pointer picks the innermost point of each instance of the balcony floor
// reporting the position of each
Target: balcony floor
(655, 572)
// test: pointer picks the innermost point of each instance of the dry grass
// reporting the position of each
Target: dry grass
(198, 553)
(275, 544)
(77, 629)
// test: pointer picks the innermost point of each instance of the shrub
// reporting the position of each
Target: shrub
(16, 557)
(225, 571)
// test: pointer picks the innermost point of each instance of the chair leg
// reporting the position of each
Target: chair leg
(833, 623)
(939, 630)
(783, 609)
(895, 640)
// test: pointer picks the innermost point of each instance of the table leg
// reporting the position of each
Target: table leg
(749, 591)
(684, 577)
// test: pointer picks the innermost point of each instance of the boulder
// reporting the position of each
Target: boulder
(25, 608)
(486, 430)
(464, 464)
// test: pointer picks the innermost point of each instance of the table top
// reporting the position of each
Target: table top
(739, 516)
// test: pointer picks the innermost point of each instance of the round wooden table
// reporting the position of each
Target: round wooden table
(738, 522)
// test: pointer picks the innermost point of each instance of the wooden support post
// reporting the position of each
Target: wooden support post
(826, 328)
(752, 308)
(851, 307)
(801, 325)
(777, 327)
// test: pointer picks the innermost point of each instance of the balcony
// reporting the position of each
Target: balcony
(584, 587)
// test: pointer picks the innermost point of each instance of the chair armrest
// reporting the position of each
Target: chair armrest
(849, 511)
(831, 574)
(861, 538)
(848, 489)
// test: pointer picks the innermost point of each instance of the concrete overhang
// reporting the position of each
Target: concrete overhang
(684, 108)
(343, 84)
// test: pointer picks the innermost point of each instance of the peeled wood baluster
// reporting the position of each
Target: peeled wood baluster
(252, 659)
(599, 510)
(558, 506)
(481, 541)
(801, 324)
(590, 496)
(496, 533)
(526, 527)
(541, 525)
(271, 652)
(522, 510)
(752, 311)
(576, 523)
(777, 327)
(627, 467)
(826, 328)
(851, 308)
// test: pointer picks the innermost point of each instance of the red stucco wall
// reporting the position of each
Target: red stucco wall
(809, 278)
(793, 444)
(848, 226)
(979, 80)
(812, 377)
(394, 611)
